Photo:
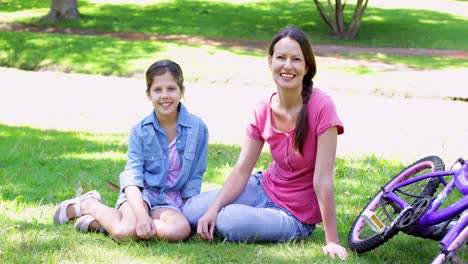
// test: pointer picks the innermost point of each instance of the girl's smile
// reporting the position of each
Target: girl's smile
(165, 94)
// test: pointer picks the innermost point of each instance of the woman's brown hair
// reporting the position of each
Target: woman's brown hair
(302, 123)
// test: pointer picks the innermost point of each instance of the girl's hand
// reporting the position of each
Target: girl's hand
(145, 228)
(335, 249)
(206, 225)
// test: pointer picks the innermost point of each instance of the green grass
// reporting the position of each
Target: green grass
(40, 168)
(254, 20)
(100, 55)
(110, 56)
(414, 62)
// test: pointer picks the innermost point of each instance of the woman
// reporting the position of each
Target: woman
(296, 191)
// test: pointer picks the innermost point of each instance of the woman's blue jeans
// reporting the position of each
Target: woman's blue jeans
(251, 217)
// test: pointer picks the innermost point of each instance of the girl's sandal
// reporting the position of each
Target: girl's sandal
(60, 215)
(83, 224)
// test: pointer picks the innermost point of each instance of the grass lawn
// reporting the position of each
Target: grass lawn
(420, 28)
(40, 168)
(255, 20)
(109, 56)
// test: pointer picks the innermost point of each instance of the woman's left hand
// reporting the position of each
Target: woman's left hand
(335, 249)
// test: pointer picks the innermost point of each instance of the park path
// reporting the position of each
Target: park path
(398, 128)
(406, 119)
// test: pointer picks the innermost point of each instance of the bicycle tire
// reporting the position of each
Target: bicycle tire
(359, 240)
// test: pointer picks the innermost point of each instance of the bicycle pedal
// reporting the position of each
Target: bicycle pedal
(373, 221)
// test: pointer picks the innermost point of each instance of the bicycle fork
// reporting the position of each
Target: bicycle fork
(457, 235)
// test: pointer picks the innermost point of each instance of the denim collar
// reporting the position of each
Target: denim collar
(183, 119)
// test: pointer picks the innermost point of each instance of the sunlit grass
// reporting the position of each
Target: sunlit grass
(108, 56)
(40, 168)
(414, 62)
(255, 20)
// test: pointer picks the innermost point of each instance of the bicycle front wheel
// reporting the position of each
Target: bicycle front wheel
(362, 237)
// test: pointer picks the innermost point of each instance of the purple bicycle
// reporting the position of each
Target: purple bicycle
(423, 200)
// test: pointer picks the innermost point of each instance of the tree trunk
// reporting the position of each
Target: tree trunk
(63, 10)
(333, 16)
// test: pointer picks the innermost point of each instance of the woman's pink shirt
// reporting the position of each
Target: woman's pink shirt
(288, 181)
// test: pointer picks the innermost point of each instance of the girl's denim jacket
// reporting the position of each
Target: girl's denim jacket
(148, 152)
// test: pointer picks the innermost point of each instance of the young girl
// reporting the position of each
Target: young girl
(167, 155)
(296, 191)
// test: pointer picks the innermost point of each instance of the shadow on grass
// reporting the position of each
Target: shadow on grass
(413, 62)
(69, 53)
(261, 20)
(39, 168)
(252, 21)
(49, 165)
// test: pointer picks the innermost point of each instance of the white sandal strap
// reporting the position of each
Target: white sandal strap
(77, 205)
(82, 224)
(60, 216)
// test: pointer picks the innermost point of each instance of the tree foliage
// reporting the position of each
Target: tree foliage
(333, 15)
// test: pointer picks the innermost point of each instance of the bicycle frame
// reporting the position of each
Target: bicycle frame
(433, 217)
(415, 202)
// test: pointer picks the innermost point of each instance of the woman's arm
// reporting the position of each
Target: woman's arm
(232, 187)
(323, 185)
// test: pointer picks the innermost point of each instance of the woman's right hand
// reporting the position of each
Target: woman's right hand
(206, 224)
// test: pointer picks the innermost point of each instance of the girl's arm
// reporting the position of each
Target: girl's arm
(132, 175)
(232, 187)
(323, 186)
(145, 227)
(131, 180)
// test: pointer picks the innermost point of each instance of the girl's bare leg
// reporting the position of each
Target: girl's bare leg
(171, 225)
(119, 223)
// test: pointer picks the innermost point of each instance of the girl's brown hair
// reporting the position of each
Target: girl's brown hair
(161, 67)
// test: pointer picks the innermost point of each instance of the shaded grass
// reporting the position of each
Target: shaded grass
(68, 53)
(40, 168)
(257, 20)
(110, 56)
(414, 62)
(95, 55)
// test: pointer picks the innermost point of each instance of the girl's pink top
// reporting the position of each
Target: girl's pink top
(175, 167)
(288, 181)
